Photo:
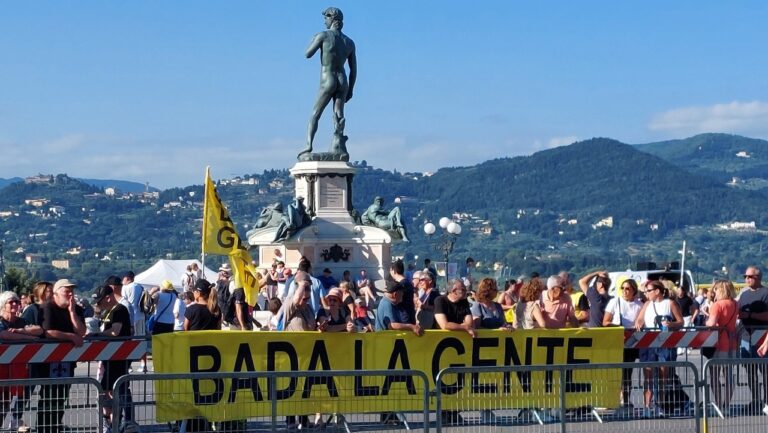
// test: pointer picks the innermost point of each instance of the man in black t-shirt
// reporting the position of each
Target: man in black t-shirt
(397, 272)
(116, 321)
(452, 313)
(452, 310)
(240, 318)
(62, 320)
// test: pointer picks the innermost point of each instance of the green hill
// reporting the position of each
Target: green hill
(721, 156)
(595, 203)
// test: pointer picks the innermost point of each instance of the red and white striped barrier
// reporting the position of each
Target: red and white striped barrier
(756, 337)
(55, 351)
(693, 339)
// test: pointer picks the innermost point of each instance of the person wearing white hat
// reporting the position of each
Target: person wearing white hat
(62, 320)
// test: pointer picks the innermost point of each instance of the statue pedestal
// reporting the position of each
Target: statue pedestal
(333, 240)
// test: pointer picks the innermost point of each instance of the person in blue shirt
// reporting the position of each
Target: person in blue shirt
(327, 279)
(389, 314)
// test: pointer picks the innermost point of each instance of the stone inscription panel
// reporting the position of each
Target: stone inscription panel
(332, 193)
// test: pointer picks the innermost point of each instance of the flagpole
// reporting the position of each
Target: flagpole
(205, 220)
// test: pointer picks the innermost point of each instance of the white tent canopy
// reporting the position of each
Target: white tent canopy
(170, 270)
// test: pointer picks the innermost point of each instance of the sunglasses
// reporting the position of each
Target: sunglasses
(14, 302)
(751, 276)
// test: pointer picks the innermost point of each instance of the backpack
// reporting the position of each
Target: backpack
(225, 299)
(146, 304)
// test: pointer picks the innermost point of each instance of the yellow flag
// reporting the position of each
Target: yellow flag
(220, 237)
(245, 275)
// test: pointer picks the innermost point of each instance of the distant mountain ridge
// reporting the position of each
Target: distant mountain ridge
(4, 182)
(593, 177)
(121, 185)
(721, 156)
(594, 203)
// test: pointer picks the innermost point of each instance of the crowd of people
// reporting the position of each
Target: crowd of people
(410, 301)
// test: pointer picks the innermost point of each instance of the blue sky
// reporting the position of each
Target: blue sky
(156, 90)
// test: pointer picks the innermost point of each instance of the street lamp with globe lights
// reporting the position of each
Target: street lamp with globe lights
(447, 239)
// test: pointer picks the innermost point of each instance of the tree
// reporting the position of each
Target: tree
(19, 280)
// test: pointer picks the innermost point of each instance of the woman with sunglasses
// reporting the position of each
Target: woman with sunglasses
(14, 328)
(658, 312)
(623, 311)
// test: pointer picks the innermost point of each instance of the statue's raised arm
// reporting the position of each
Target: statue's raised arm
(336, 50)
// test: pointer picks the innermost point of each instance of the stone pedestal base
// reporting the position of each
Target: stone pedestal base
(333, 240)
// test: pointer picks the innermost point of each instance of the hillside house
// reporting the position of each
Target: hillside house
(60, 264)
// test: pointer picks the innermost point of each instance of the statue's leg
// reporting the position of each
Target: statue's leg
(339, 122)
(322, 100)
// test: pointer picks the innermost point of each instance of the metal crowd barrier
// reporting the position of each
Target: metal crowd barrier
(679, 404)
(729, 400)
(348, 414)
(52, 405)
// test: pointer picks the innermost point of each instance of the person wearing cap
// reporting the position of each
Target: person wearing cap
(116, 322)
(224, 287)
(335, 317)
(204, 313)
(327, 279)
(390, 314)
(62, 320)
(164, 298)
(117, 287)
(14, 328)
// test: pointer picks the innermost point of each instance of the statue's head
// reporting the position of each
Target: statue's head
(378, 200)
(334, 18)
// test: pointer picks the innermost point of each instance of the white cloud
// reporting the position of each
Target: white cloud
(749, 118)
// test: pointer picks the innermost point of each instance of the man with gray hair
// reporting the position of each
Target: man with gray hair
(557, 307)
(753, 313)
(62, 320)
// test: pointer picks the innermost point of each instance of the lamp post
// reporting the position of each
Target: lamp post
(447, 238)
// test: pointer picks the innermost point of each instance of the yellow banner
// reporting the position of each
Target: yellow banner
(230, 351)
(220, 237)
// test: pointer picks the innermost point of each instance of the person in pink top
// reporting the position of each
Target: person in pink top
(557, 305)
(723, 314)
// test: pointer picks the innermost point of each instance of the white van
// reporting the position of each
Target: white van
(648, 271)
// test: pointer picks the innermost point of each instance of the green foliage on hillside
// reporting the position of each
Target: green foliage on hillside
(538, 213)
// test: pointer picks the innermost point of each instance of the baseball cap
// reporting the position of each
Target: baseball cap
(101, 293)
(63, 283)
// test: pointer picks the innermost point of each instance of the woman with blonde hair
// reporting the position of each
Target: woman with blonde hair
(723, 314)
(43, 292)
(164, 299)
